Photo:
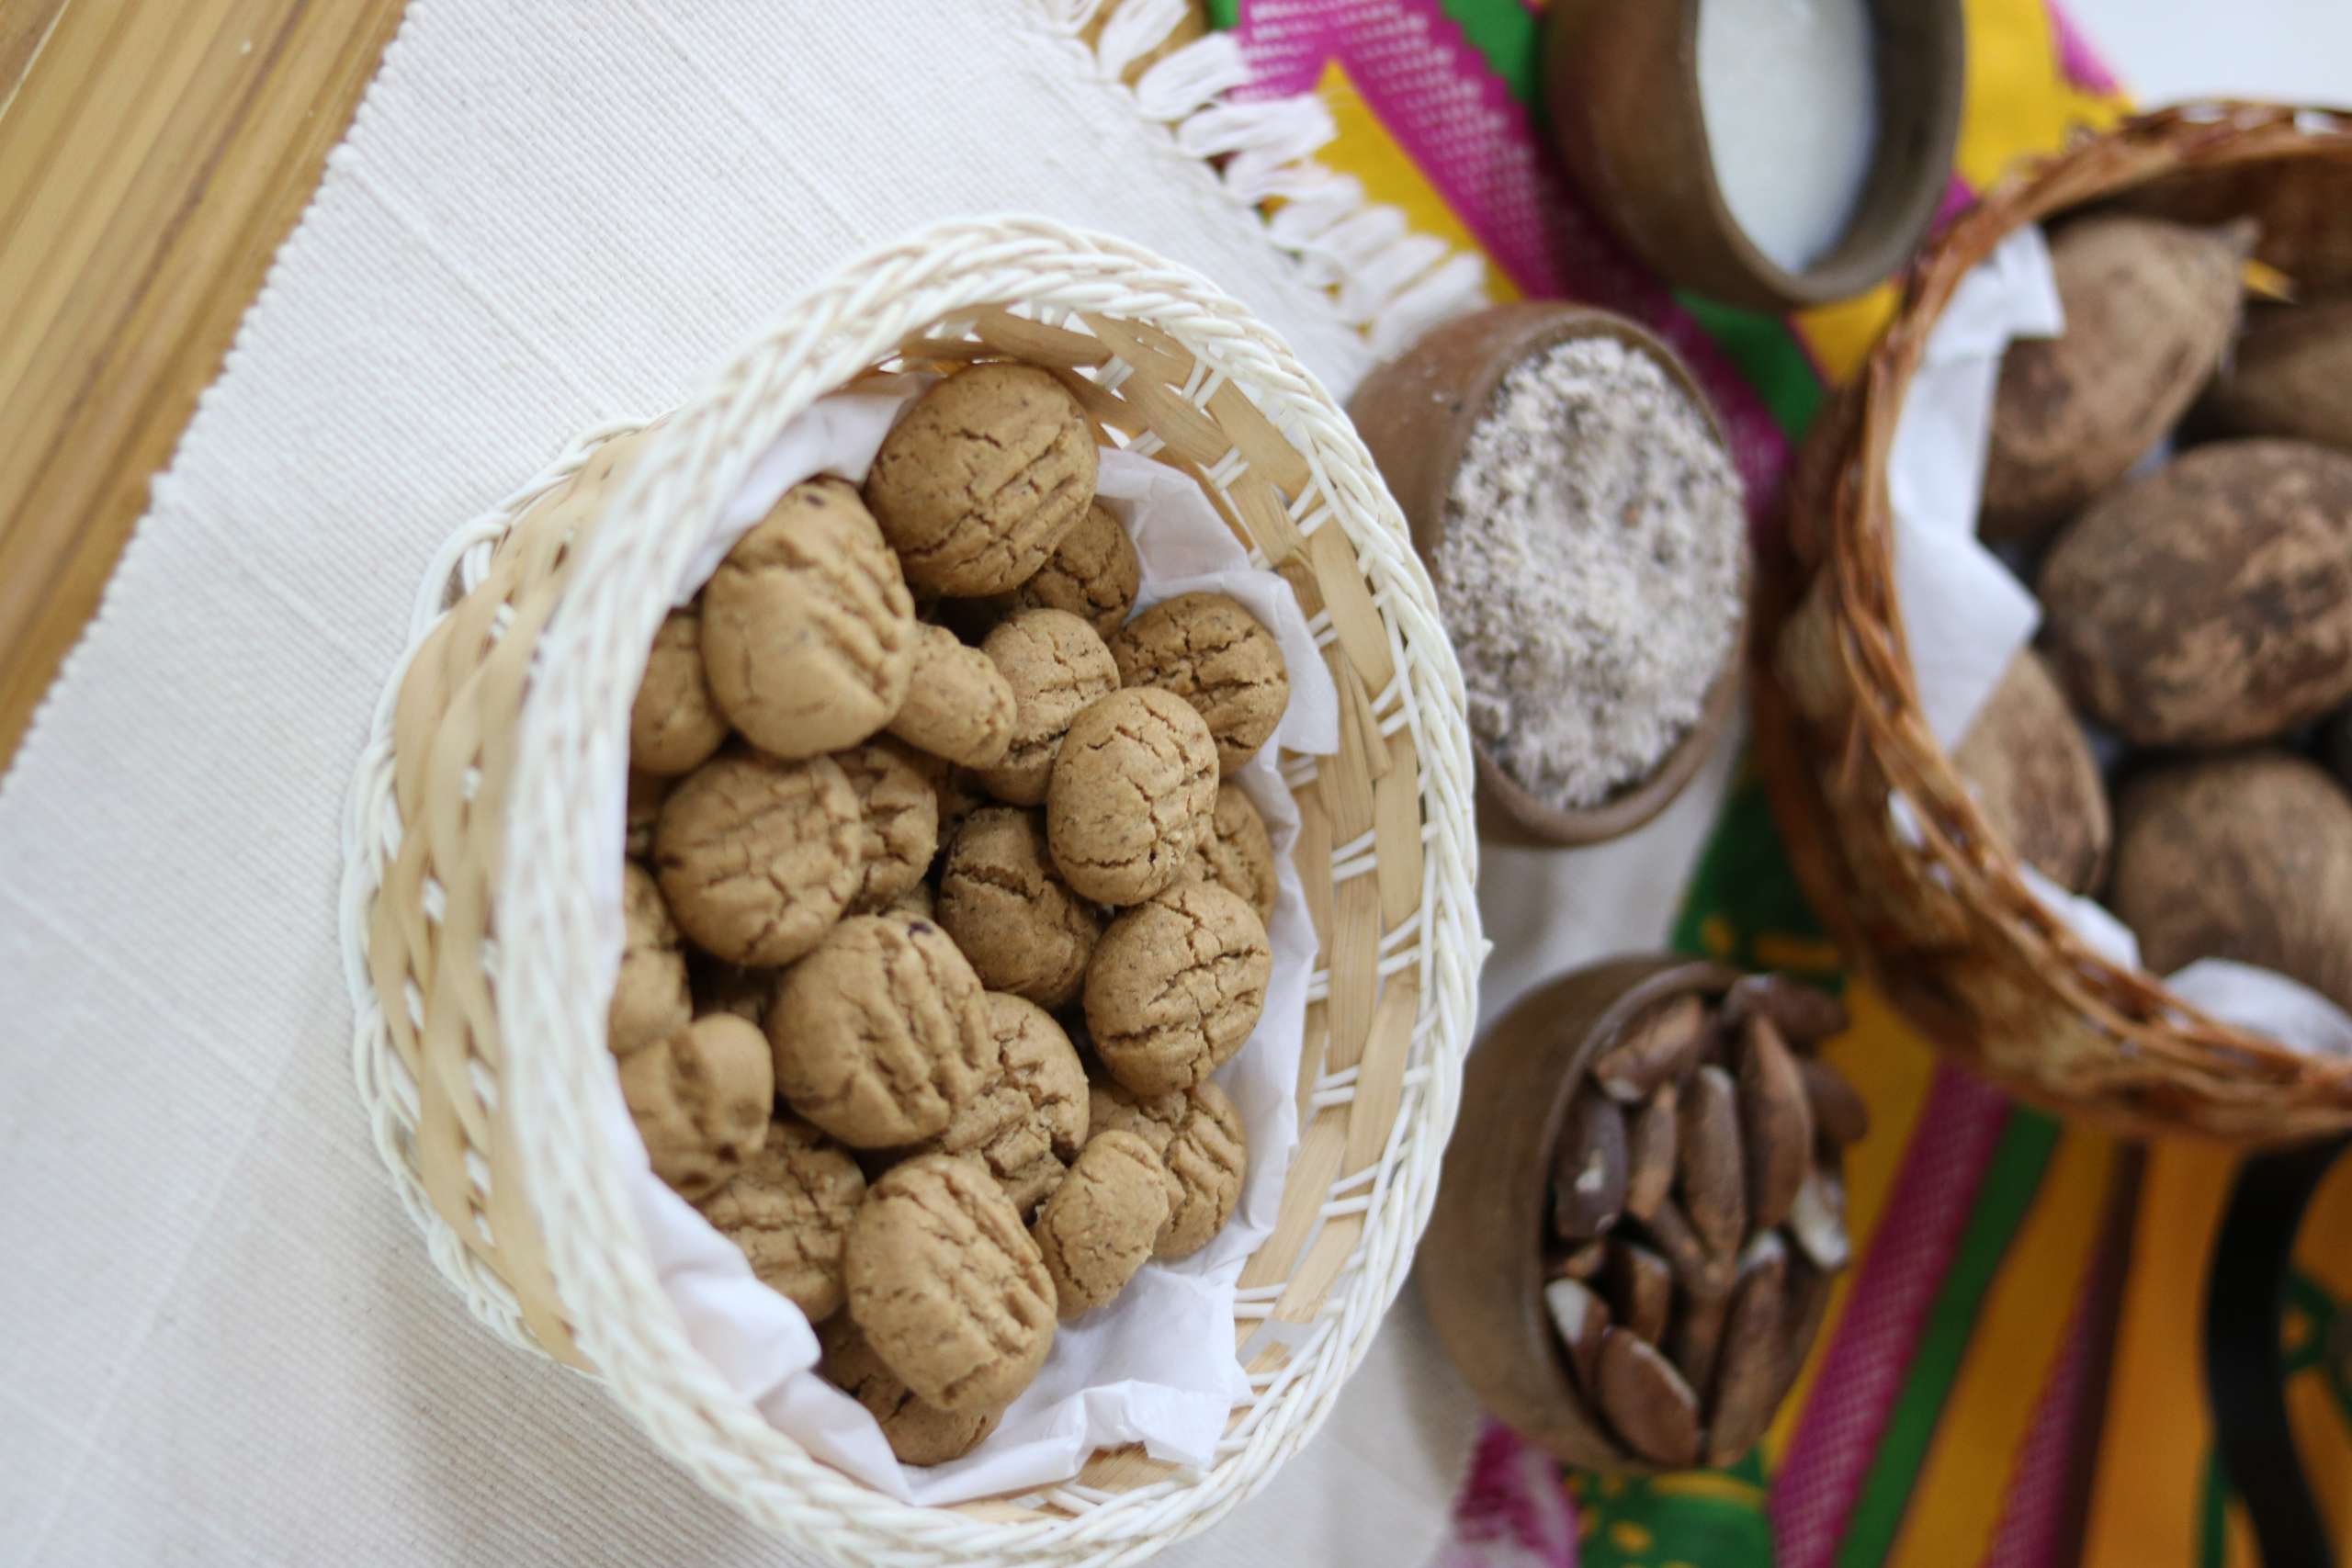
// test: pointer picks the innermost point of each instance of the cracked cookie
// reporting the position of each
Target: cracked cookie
(1236, 851)
(1176, 986)
(1209, 650)
(808, 629)
(900, 820)
(958, 705)
(1006, 905)
(1198, 1136)
(1099, 1226)
(918, 1432)
(759, 857)
(701, 1101)
(1133, 786)
(1028, 1121)
(976, 485)
(674, 724)
(789, 1210)
(1094, 574)
(881, 1034)
(946, 1284)
(650, 998)
(1055, 665)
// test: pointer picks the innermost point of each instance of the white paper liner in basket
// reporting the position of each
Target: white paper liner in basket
(1158, 1367)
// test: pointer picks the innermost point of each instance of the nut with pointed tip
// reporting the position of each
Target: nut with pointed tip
(1696, 1336)
(1700, 1272)
(1649, 1153)
(1582, 1264)
(1748, 1371)
(1818, 1220)
(1654, 1049)
(1588, 1169)
(1802, 1013)
(1641, 1288)
(1646, 1401)
(1580, 1318)
(1838, 1114)
(1714, 1181)
(1775, 1123)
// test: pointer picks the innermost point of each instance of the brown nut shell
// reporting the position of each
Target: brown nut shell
(1650, 1140)
(1655, 1050)
(1646, 1401)
(1588, 1169)
(1775, 1123)
(1641, 1287)
(1747, 1383)
(2030, 768)
(1803, 1014)
(1714, 1178)
(1580, 1317)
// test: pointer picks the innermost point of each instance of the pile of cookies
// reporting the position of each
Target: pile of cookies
(939, 919)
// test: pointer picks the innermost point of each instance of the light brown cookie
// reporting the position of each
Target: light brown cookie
(1010, 911)
(789, 1209)
(701, 1101)
(1133, 785)
(758, 857)
(1209, 650)
(900, 818)
(917, 1433)
(959, 794)
(721, 987)
(646, 794)
(1237, 852)
(1099, 1226)
(675, 725)
(1055, 665)
(1094, 574)
(809, 630)
(1028, 1121)
(1176, 986)
(881, 1034)
(1198, 1136)
(650, 998)
(975, 486)
(958, 705)
(948, 1286)
(921, 901)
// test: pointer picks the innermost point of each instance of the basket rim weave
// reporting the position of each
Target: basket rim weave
(554, 1079)
(1840, 491)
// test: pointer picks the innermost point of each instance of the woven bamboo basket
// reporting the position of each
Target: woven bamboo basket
(481, 910)
(1942, 920)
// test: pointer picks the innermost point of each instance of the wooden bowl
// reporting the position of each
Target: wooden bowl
(1623, 81)
(1416, 415)
(1481, 1267)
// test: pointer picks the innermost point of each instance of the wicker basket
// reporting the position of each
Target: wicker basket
(1943, 922)
(476, 892)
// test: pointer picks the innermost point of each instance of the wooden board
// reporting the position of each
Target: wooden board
(153, 155)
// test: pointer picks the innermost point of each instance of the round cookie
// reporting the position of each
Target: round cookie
(646, 794)
(1133, 787)
(701, 1101)
(946, 1284)
(809, 630)
(1009, 909)
(975, 486)
(1028, 1121)
(789, 1210)
(917, 1433)
(1094, 575)
(900, 820)
(881, 1034)
(1209, 650)
(650, 998)
(1176, 986)
(721, 987)
(675, 725)
(1236, 851)
(1055, 665)
(1197, 1133)
(958, 705)
(1099, 1226)
(759, 857)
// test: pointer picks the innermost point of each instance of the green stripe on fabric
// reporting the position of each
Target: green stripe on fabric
(1768, 355)
(2212, 1517)
(1505, 32)
(1224, 12)
(1744, 887)
(2003, 1200)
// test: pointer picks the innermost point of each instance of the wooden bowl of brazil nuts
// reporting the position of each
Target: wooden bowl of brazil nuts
(1642, 1211)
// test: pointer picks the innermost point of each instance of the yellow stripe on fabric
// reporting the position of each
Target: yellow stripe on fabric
(1364, 150)
(1893, 1071)
(2325, 1448)
(2012, 1348)
(1841, 336)
(2154, 1445)
(2018, 99)
(1712, 1485)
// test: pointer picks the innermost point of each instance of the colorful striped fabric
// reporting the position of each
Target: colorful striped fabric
(1950, 1414)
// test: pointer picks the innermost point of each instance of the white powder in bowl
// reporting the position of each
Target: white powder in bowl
(1593, 571)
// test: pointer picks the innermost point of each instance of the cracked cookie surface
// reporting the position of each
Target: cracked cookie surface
(1029, 1118)
(1006, 905)
(946, 1284)
(1094, 574)
(674, 724)
(976, 485)
(1176, 986)
(808, 629)
(1236, 851)
(899, 817)
(758, 857)
(650, 997)
(1197, 1133)
(1209, 649)
(881, 1034)
(700, 1100)
(1133, 787)
(959, 706)
(1055, 665)
(1099, 1226)
(917, 1431)
(789, 1210)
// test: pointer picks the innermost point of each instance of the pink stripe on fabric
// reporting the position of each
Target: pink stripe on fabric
(1816, 1484)
(2030, 1532)
(1513, 1512)
(2077, 62)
